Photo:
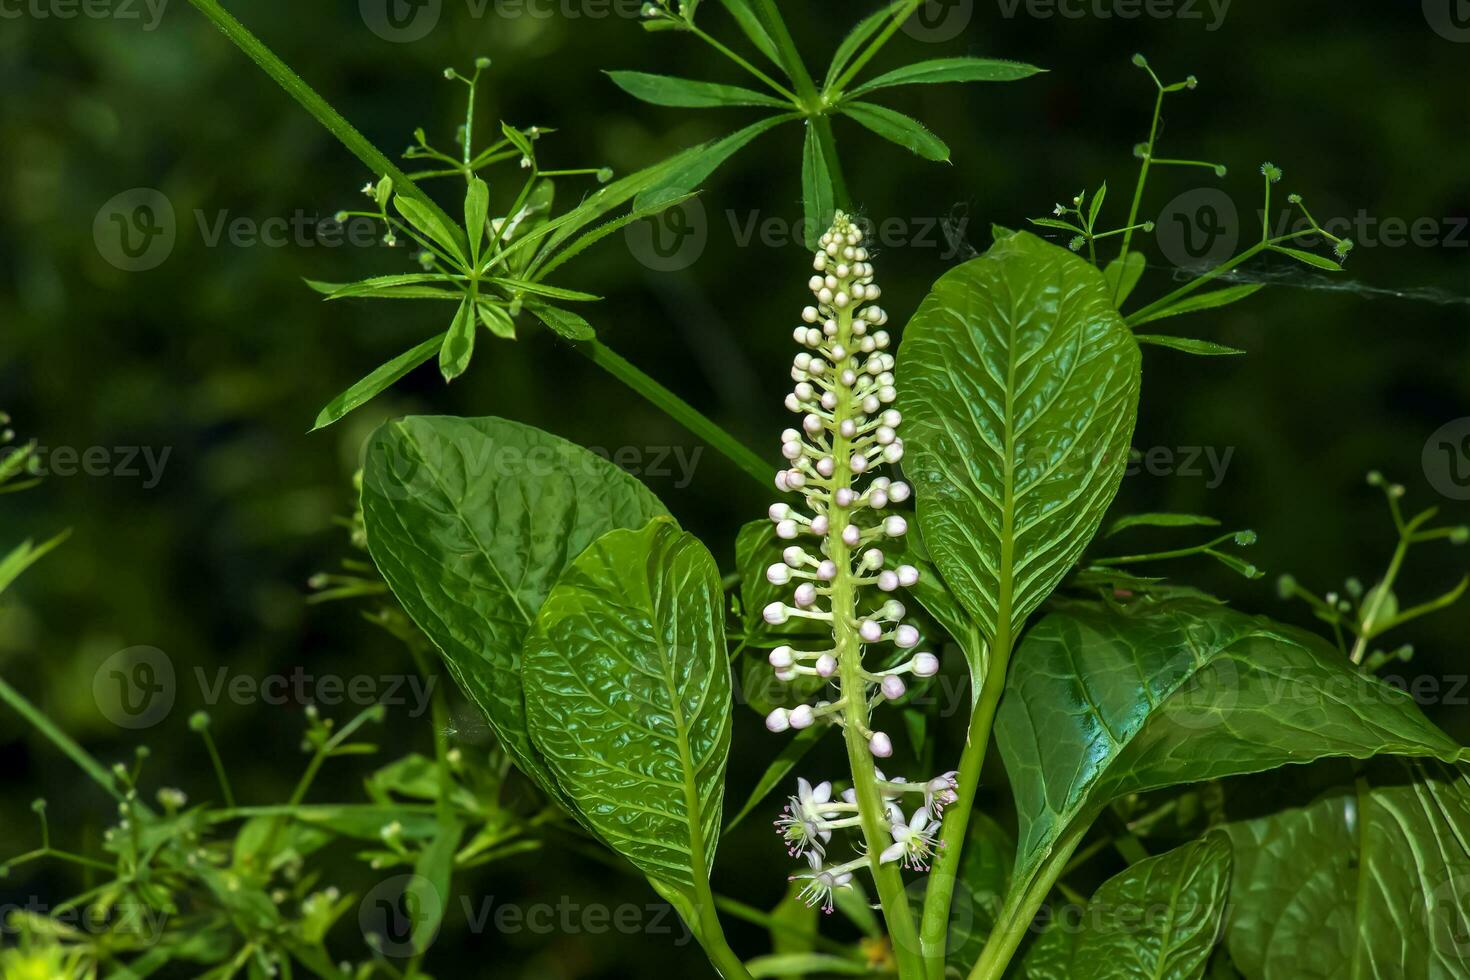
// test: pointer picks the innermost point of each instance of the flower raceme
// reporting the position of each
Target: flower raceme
(837, 567)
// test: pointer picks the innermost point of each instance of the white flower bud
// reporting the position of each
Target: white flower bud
(859, 464)
(906, 637)
(779, 512)
(785, 674)
(893, 453)
(812, 424)
(887, 581)
(895, 526)
(893, 610)
(885, 435)
(782, 657)
(826, 665)
(925, 665)
(787, 530)
(820, 525)
(794, 556)
(806, 595)
(778, 721)
(873, 558)
(880, 746)
(776, 613)
(870, 631)
(802, 716)
(845, 497)
(827, 570)
(826, 467)
(893, 687)
(852, 536)
(908, 576)
(778, 574)
(810, 314)
(899, 492)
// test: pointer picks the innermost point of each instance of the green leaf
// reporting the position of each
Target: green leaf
(476, 208)
(817, 202)
(756, 549)
(1200, 301)
(387, 286)
(805, 964)
(628, 696)
(1370, 880)
(23, 556)
(898, 128)
(519, 140)
(1057, 224)
(459, 343)
(1160, 919)
(753, 27)
(1019, 390)
(430, 885)
(984, 878)
(1188, 345)
(543, 289)
(1104, 701)
(1123, 275)
(685, 93)
(548, 265)
(1097, 205)
(496, 320)
(1160, 520)
(856, 38)
(694, 167)
(939, 70)
(378, 381)
(1309, 258)
(794, 924)
(572, 326)
(429, 224)
(471, 521)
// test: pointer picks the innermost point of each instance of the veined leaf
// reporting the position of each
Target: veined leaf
(1308, 258)
(856, 38)
(379, 380)
(939, 70)
(544, 289)
(686, 93)
(628, 696)
(476, 208)
(1188, 345)
(432, 873)
(1200, 301)
(1158, 919)
(692, 169)
(895, 127)
(1097, 205)
(818, 206)
(1160, 520)
(1019, 387)
(459, 342)
(1123, 275)
(1371, 880)
(572, 326)
(495, 319)
(471, 521)
(431, 226)
(753, 28)
(1102, 702)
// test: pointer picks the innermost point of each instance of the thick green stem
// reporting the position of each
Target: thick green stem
(945, 877)
(1020, 910)
(376, 162)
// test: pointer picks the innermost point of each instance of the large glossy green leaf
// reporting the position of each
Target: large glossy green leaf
(471, 521)
(1372, 880)
(1104, 701)
(628, 696)
(1019, 386)
(1158, 919)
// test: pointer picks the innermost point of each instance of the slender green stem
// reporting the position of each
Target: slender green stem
(1369, 620)
(60, 739)
(755, 72)
(611, 362)
(874, 46)
(806, 89)
(1148, 154)
(943, 880)
(1020, 910)
(374, 159)
(219, 768)
(1213, 274)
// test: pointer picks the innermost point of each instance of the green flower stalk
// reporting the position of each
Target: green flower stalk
(844, 393)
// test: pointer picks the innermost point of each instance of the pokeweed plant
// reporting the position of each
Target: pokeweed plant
(595, 634)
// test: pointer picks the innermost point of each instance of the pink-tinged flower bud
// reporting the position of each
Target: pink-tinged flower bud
(812, 424)
(906, 637)
(848, 428)
(787, 530)
(794, 556)
(894, 453)
(925, 665)
(776, 613)
(791, 451)
(895, 526)
(782, 657)
(893, 687)
(827, 570)
(870, 631)
(820, 525)
(877, 498)
(880, 746)
(908, 576)
(806, 595)
(852, 536)
(785, 674)
(778, 574)
(802, 716)
(826, 665)
(873, 558)
(796, 479)
(778, 721)
(845, 497)
(828, 400)
(782, 483)
(887, 581)
(859, 464)
(779, 512)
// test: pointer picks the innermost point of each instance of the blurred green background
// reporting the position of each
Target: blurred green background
(222, 357)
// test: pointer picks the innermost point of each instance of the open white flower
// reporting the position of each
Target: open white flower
(913, 841)
(822, 882)
(801, 821)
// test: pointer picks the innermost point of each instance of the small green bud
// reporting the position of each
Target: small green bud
(1286, 586)
(449, 74)
(1294, 198)
(1191, 83)
(1354, 588)
(482, 62)
(1375, 478)
(1139, 61)
(1343, 248)
(1271, 172)
(1148, 227)
(1460, 535)
(38, 805)
(199, 722)
(604, 175)
(1076, 243)
(340, 217)
(1221, 170)
(1245, 538)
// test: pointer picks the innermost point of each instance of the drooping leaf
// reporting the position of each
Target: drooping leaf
(1188, 345)
(1370, 880)
(1160, 919)
(471, 521)
(24, 555)
(939, 70)
(1200, 301)
(1019, 387)
(1123, 275)
(459, 342)
(378, 381)
(572, 326)
(686, 93)
(817, 202)
(895, 127)
(1103, 701)
(628, 696)
(685, 178)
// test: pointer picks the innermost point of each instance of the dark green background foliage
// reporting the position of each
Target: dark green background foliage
(223, 357)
